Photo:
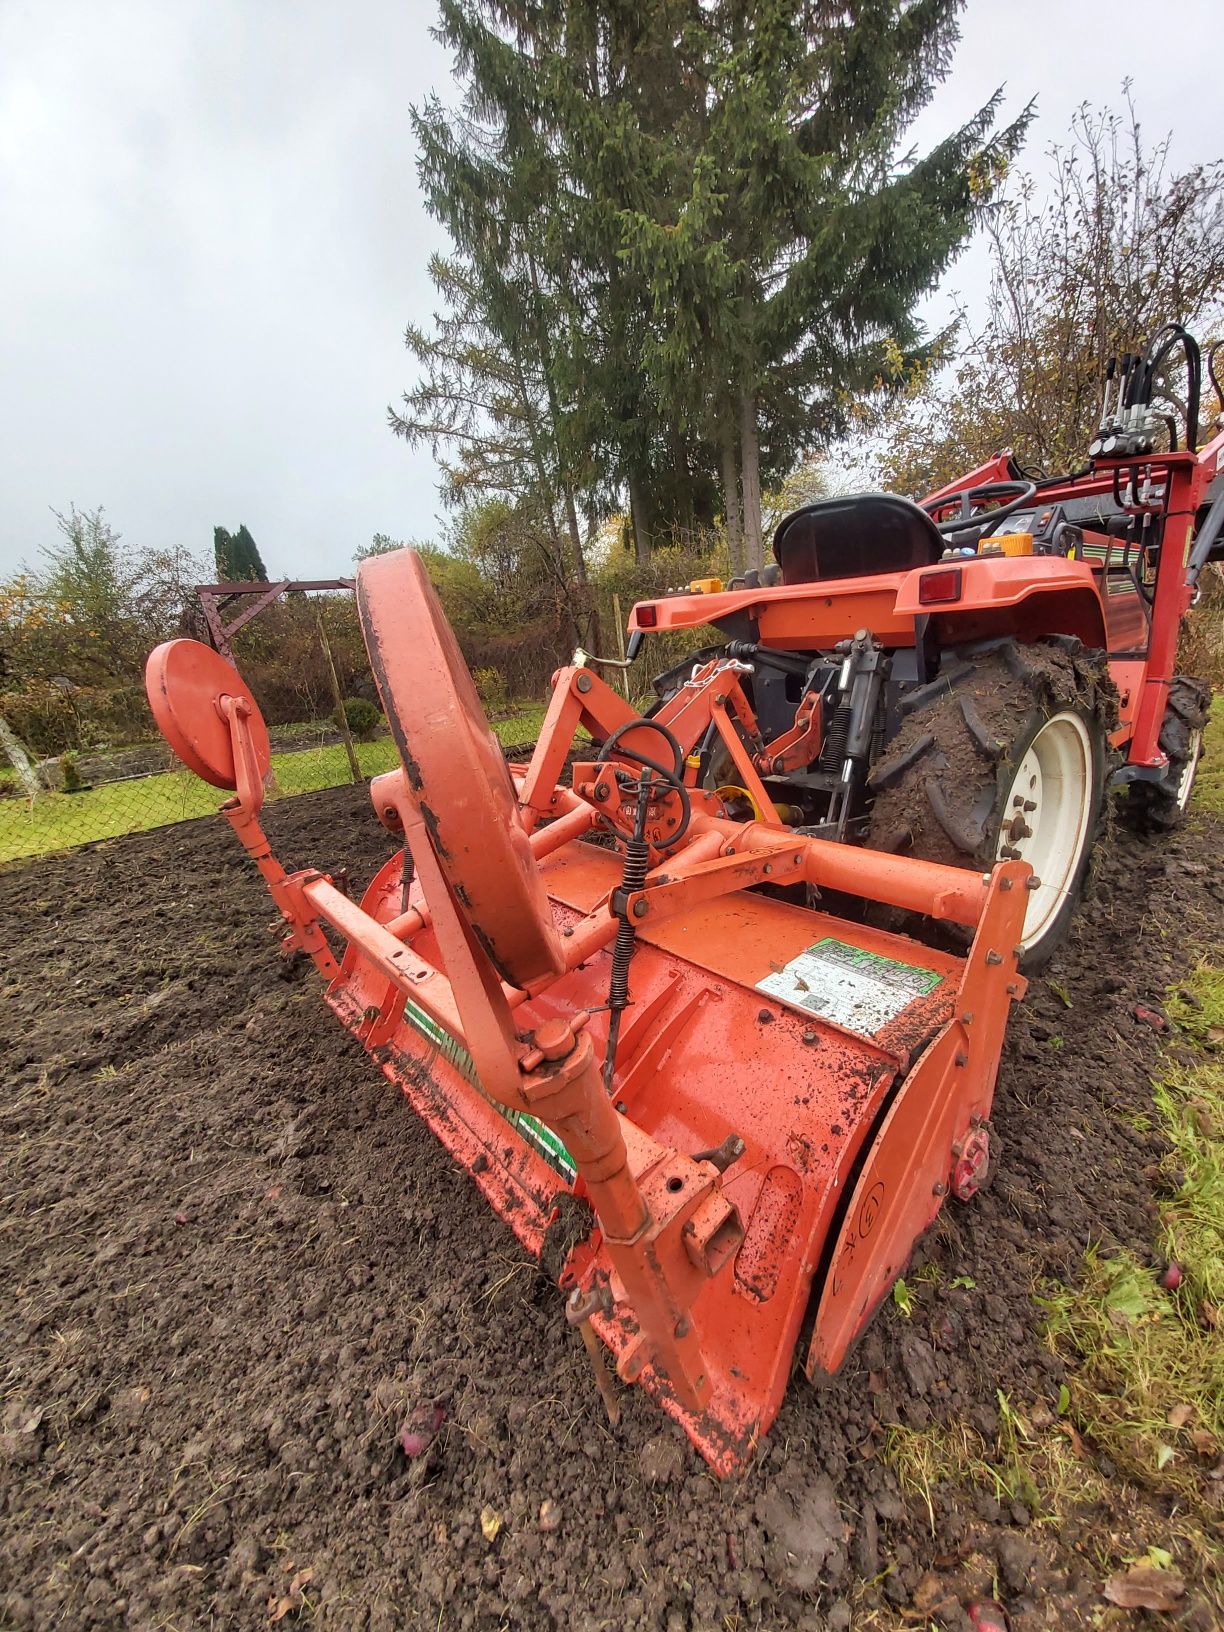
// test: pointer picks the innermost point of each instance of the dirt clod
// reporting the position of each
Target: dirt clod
(662, 1460)
(550, 1517)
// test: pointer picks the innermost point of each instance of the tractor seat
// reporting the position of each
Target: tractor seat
(857, 536)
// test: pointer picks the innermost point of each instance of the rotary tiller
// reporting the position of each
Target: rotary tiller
(726, 1111)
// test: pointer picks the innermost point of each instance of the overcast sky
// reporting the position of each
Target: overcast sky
(211, 240)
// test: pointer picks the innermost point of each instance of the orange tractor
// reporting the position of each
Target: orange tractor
(651, 990)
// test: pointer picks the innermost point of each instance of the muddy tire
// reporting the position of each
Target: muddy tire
(1159, 806)
(1005, 754)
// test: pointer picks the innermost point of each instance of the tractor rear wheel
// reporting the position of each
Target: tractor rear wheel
(1004, 755)
(1159, 806)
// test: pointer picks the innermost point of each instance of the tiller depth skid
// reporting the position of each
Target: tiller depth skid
(762, 1105)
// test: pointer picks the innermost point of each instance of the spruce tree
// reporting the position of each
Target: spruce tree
(247, 556)
(237, 557)
(721, 246)
(223, 555)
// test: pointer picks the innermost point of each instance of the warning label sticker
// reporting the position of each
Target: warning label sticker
(853, 988)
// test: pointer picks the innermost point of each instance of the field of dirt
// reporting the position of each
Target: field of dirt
(233, 1264)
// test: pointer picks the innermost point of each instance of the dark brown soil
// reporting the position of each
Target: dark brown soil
(233, 1263)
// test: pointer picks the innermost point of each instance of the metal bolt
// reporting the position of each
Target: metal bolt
(1005, 883)
(1030, 804)
(682, 1326)
(1032, 883)
(962, 1058)
(568, 930)
(993, 959)
(764, 1016)
(640, 908)
(584, 682)
(768, 867)
(938, 1189)
(811, 1037)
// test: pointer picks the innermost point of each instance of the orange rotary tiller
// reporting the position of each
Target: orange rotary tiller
(761, 1104)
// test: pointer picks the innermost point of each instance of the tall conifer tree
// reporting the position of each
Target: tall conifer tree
(718, 245)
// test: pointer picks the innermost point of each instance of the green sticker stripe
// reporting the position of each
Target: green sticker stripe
(913, 974)
(529, 1128)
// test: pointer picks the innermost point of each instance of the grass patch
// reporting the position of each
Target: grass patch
(1190, 1103)
(1148, 1379)
(59, 821)
(1143, 1406)
(1147, 1384)
(1209, 783)
(1034, 1458)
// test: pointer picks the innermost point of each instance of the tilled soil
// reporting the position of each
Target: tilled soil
(234, 1263)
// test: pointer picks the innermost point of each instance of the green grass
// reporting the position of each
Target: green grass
(59, 821)
(1190, 1103)
(1145, 1363)
(1148, 1379)
(1209, 784)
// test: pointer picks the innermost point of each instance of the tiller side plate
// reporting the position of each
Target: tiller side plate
(774, 1108)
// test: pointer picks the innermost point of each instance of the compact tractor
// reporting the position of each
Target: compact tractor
(709, 999)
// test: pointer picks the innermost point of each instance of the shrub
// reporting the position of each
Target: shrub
(362, 717)
(490, 688)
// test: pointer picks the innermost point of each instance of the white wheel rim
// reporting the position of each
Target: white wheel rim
(1047, 813)
(1185, 781)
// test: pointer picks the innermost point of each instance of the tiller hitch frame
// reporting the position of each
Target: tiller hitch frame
(793, 1094)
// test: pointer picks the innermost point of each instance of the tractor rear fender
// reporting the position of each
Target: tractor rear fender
(1029, 597)
(790, 617)
(1026, 596)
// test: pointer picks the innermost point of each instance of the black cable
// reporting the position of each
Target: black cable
(674, 778)
(1154, 359)
(612, 741)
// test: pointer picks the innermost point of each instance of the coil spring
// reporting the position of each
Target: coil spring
(637, 864)
(838, 735)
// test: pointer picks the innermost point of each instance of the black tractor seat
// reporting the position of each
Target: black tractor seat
(856, 536)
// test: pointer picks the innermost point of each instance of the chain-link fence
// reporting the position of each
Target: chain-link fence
(77, 798)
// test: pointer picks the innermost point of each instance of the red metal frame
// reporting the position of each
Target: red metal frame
(215, 598)
(699, 1272)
